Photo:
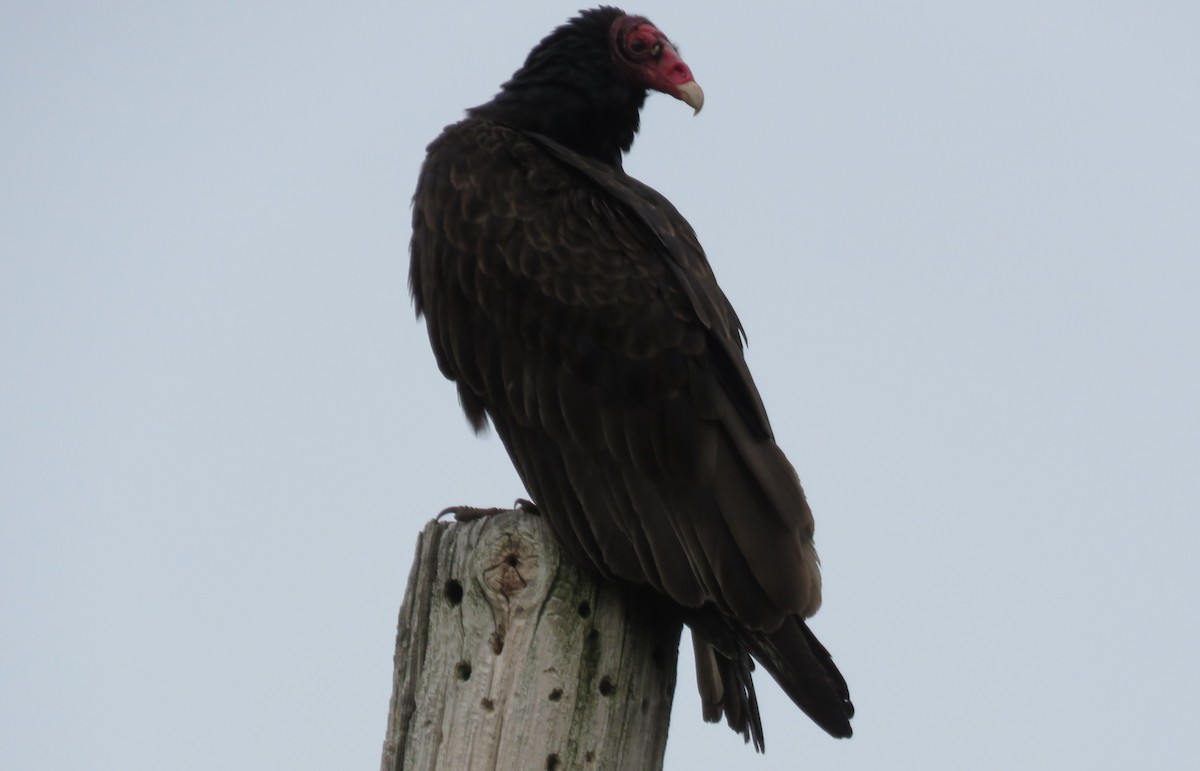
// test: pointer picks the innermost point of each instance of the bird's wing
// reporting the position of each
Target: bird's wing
(575, 309)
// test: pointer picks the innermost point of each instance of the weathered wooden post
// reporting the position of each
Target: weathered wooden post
(511, 658)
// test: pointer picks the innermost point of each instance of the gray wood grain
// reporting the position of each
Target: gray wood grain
(509, 657)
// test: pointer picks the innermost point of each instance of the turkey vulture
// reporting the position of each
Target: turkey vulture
(575, 310)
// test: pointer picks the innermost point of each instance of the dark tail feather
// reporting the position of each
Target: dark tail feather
(726, 688)
(806, 672)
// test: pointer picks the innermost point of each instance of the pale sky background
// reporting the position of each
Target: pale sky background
(963, 238)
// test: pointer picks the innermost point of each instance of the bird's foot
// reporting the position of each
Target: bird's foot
(472, 513)
(527, 506)
(469, 513)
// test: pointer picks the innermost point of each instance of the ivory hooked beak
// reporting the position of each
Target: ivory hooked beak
(692, 95)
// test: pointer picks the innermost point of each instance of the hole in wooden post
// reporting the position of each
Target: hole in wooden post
(463, 670)
(585, 609)
(488, 705)
(512, 560)
(552, 762)
(606, 686)
(556, 694)
(590, 757)
(453, 591)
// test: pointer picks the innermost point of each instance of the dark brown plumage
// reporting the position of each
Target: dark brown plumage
(574, 309)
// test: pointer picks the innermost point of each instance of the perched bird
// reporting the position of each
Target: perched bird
(575, 310)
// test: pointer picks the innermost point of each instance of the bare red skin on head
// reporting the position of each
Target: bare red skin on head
(647, 56)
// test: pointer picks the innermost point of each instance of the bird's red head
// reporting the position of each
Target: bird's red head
(645, 54)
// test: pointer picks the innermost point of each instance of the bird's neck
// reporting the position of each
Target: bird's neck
(597, 122)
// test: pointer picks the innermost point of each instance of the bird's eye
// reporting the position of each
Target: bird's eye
(637, 46)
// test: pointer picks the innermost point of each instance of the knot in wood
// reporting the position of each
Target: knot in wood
(513, 564)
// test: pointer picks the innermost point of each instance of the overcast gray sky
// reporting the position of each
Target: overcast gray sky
(963, 239)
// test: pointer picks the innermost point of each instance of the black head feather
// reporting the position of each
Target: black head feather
(570, 90)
